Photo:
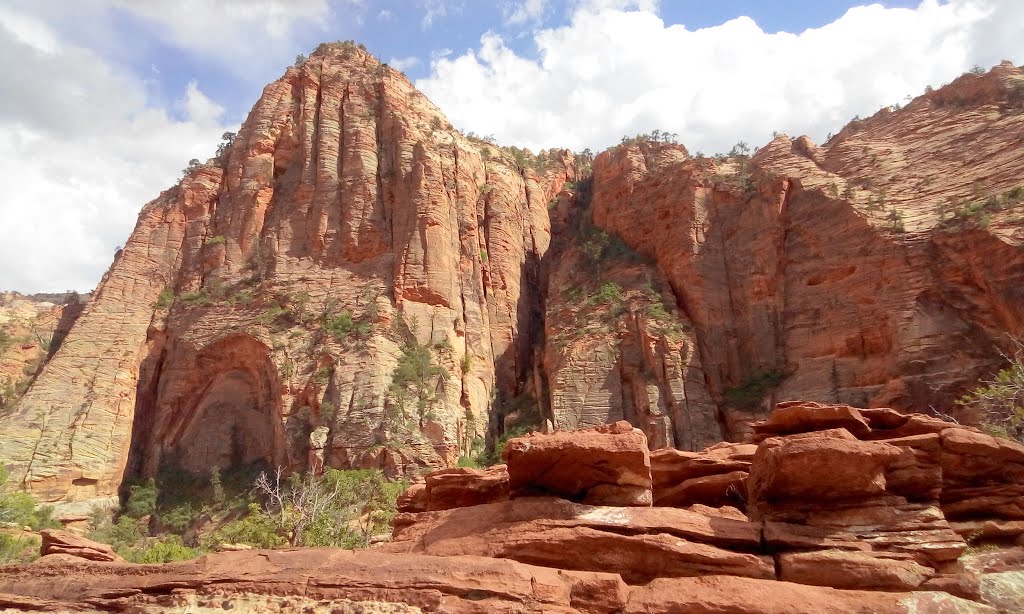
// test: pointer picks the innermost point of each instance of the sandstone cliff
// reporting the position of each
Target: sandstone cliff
(352, 282)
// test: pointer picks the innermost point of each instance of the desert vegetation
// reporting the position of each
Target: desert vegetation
(179, 516)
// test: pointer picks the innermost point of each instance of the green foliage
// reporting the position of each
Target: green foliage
(193, 165)
(166, 299)
(895, 219)
(215, 240)
(141, 499)
(466, 363)
(300, 59)
(217, 486)
(493, 457)
(15, 550)
(327, 411)
(165, 550)
(5, 340)
(323, 375)
(122, 535)
(468, 461)
(256, 528)
(609, 293)
(20, 508)
(999, 401)
(750, 393)
(226, 140)
(415, 378)
(598, 247)
(198, 297)
(655, 136)
(340, 508)
(274, 317)
(977, 213)
(339, 325)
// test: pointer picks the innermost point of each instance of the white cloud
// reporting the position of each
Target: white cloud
(385, 15)
(403, 64)
(242, 35)
(435, 9)
(612, 72)
(82, 149)
(522, 12)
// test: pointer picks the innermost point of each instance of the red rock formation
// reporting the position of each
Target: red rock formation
(69, 544)
(603, 465)
(841, 538)
(346, 194)
(824, 507)
(263, 307)
(800, 281)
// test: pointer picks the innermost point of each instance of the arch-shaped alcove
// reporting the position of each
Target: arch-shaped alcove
(219, 407)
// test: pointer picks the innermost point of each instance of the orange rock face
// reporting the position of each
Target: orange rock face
(354, 283)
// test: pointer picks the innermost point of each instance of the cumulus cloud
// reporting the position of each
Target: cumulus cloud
(241, 34)
(82, 150)
(618, 69)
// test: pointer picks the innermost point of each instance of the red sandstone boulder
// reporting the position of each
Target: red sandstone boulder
(62, 542)
(414, 499)
(805, 416)
(816, 468)
(604, 465)
(464, 487)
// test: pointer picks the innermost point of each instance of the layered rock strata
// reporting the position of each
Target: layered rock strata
(830, 526)
(806, 502)
(354, 283)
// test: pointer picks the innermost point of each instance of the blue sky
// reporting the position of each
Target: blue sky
(104, 101)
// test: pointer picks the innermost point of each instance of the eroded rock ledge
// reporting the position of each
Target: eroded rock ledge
(828, 508)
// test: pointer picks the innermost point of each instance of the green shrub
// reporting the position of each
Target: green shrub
(215, 240)
(609, 293)
(165, 550)
(274, 316)
(198, 297)
(339, 325)
(750, 393)
(486, 459)
(20, 508)
(466, 363)
(166, 299)
(141, 499)
(18, 549)
(256, 528)
(999, 401)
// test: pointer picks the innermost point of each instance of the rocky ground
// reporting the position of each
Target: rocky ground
(827, 508)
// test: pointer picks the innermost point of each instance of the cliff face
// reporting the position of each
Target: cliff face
(355, 283)
(882, 269)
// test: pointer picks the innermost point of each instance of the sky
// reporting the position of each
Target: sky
(103, 102)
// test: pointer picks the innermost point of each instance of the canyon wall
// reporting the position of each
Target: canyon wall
(354, 283)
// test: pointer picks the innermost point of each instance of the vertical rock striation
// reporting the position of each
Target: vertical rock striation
(354, 283)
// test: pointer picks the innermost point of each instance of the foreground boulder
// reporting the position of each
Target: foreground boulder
(62, 542)
(604, 465)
